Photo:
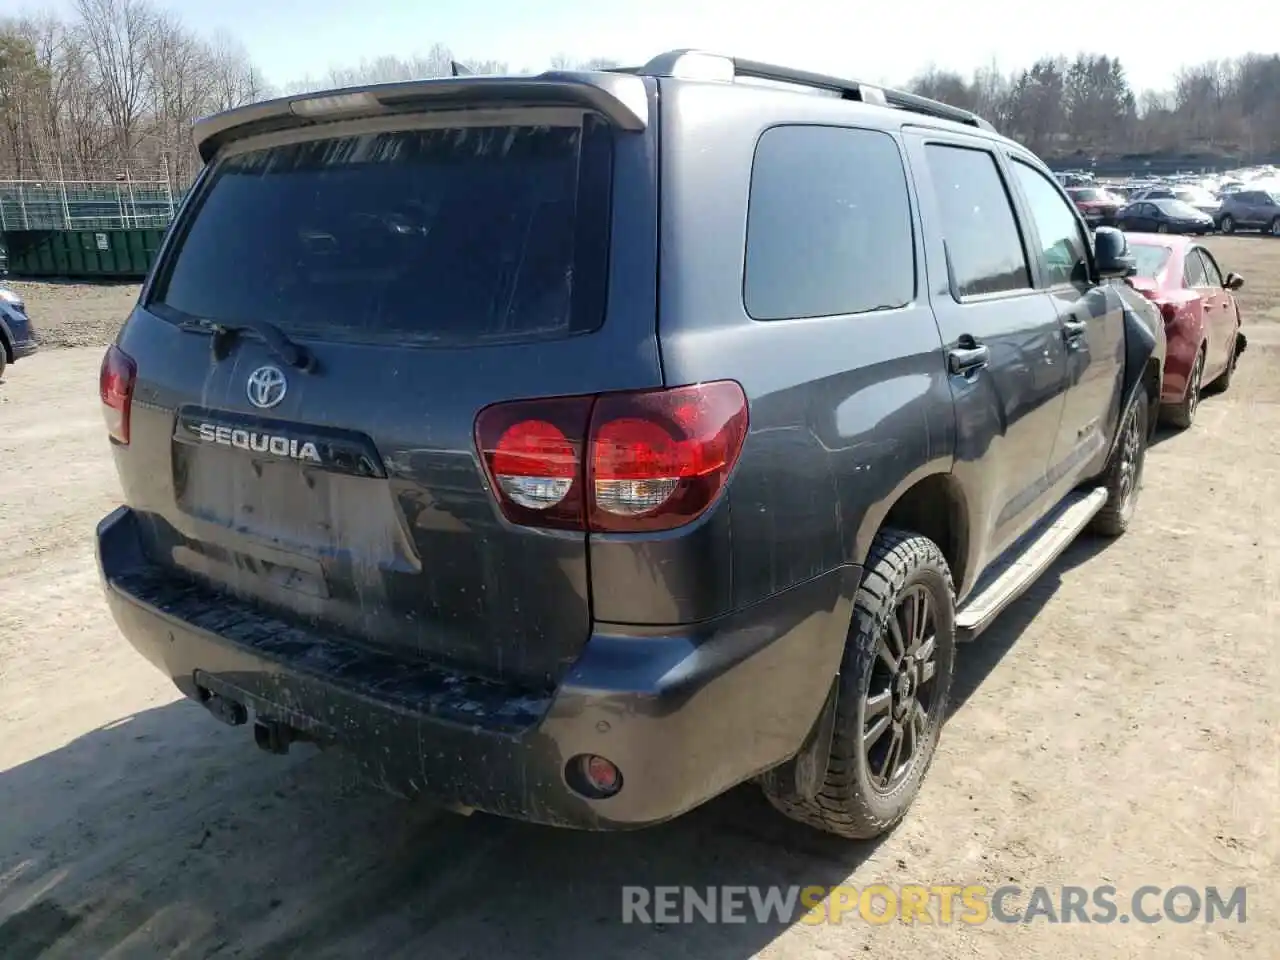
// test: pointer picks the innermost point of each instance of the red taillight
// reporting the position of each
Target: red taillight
(659, 459)
(653, 460)
(115, 386)
(532, 452)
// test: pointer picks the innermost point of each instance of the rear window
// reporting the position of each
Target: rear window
(1149, 260)
(461, 235)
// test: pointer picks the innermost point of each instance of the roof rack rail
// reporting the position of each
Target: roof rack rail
(701, 65)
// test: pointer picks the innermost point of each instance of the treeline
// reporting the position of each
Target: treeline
(119, 83)
(1060, 107)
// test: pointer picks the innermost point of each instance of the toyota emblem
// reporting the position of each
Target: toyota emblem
(266, 387)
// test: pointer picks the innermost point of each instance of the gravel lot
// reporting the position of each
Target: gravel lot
(1120, 725)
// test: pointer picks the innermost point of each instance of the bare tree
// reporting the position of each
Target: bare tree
(180, 84)
(116, 35)
(234, 79)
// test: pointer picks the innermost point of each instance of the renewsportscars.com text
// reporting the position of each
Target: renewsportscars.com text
(932, 904)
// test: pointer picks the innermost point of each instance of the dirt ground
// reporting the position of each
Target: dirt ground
(1120, 725)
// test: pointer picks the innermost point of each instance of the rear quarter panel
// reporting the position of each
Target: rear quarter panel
(846, 412)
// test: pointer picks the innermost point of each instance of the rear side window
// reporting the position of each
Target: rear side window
(1193, 270)
(828, 224)
(424, 236)
(1149, 260)
(983, 242)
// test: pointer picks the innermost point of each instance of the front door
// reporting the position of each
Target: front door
(1219, 317)
(1091, 325)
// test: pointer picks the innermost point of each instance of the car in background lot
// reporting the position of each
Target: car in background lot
(1163, 216)
(1203, 341)
(1192, 196)
(1251, 209)
(17, 335)
(1096, 205)
(458, 502)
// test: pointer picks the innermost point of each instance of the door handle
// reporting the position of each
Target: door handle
(1073, 330)
(969, 357)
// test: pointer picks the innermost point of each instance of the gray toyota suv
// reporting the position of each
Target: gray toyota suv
(574, 447)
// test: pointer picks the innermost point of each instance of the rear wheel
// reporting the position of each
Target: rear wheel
(1228, 224)
(1163, 228)
(1123, 479)
(894, 685)
(1183, 415)
(1274, 227)
(4, 357)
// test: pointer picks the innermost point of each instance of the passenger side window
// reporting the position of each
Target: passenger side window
(1062, 241)
(1212, 275)
(1193, 270)
(983, 241)
(828, 224)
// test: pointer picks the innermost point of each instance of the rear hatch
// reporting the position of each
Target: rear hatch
(428, 266)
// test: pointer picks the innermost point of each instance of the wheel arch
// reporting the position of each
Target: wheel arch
(934, 506)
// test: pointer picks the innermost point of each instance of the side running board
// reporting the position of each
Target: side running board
(1010, 576)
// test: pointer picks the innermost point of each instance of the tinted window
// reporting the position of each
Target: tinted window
(1149, 260)
(1212, 275)
(453, 235)
(978, 224)
(1061, 240)
(828, 224)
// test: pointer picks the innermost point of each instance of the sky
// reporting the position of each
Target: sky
(881, 42)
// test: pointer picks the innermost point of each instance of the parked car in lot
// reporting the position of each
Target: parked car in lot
(1251, 210)
(1192, 196)
(1201, 318)
(1163, 216)
(1097, 206)
(17, 335)
(430, 482)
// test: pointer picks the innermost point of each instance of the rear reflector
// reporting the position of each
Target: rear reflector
(618, 462)
(115, 387)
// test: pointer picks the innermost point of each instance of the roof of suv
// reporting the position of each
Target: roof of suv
(618, 94)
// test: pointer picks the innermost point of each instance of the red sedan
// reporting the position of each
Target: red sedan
(1201, 318)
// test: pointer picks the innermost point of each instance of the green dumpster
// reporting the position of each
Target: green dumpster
(82, 254)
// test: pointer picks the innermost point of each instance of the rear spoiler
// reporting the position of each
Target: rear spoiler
(621, 98)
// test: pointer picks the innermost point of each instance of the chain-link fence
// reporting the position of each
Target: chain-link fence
(105, 196)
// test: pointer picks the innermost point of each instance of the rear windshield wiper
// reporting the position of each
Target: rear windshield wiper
(225, 334)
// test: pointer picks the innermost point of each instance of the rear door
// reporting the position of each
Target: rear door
(1247, 208)
(431, 265)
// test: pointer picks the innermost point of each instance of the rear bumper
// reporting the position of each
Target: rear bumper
(684, 712)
